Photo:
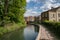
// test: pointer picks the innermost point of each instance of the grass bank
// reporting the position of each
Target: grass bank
(53, 27)
(10, 27)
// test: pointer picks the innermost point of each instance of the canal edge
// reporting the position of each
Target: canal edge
(38, 36)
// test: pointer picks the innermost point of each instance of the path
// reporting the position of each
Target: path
(44, 34)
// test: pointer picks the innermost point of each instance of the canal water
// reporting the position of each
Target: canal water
(28, 33)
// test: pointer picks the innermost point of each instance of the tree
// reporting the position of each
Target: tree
(12, 11)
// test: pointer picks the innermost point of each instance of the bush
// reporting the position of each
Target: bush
(53, 26)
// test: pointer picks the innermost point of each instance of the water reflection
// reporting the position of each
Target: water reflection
(28, 33)
(36, 28)
(31, 32)
(16, 35)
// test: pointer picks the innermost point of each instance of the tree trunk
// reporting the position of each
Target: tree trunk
(5, 7)
(5, 12)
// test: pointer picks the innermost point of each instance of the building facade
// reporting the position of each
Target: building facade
(29, 19)
(51, 15)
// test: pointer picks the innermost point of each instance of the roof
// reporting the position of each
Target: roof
(53, 9)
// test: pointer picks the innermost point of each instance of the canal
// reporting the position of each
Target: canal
(28, 33)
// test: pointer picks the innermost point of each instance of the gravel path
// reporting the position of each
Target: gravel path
(44, 34)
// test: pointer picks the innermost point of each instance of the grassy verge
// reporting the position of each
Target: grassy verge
(53, 27)
(10, 28)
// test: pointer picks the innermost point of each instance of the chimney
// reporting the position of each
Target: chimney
(52, 7)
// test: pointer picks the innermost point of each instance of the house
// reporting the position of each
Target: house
(29, 19)
(39, 18)
(51, 15)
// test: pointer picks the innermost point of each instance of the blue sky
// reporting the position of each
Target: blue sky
(35, 7)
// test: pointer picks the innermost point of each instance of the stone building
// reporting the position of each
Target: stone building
(51, 15)
(32, 19)
(29, 19)
(39, 18)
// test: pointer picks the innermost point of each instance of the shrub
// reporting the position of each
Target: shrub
(53, 26)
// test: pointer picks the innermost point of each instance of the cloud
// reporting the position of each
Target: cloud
(31, 0)
(48, 4)
(28, 1)
(35, 7)
(30, 12)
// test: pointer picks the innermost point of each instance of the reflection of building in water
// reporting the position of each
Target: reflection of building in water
(36, 28)
(29, 33)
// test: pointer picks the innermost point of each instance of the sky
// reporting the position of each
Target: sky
(36, 7)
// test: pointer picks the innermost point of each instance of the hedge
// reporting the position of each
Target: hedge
(53, 26)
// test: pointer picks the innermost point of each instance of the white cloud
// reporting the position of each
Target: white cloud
(28, 1)
(30, 12)
(31, 0)
(35, 8)
(48, 4)
(51, 1)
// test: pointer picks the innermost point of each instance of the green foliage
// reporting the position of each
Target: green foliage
(53, 26)
(15, 11)
(13, 19)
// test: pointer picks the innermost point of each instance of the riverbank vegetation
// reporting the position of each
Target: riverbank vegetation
(53, 26)
(14, 35)
(11, 15)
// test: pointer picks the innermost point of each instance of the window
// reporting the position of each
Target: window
(58, 15)
(59, 19)
(46, 15)
(59, 10)
(42, 15)
(53, 15)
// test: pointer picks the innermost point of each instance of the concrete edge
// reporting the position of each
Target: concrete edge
(38, 37)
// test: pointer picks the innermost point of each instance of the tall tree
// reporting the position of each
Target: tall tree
(12, 11)
(6, 7)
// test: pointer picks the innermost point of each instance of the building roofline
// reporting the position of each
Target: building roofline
(51, 9)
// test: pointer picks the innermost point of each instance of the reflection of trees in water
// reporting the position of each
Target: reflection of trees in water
(16, 35)
(36, 28)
